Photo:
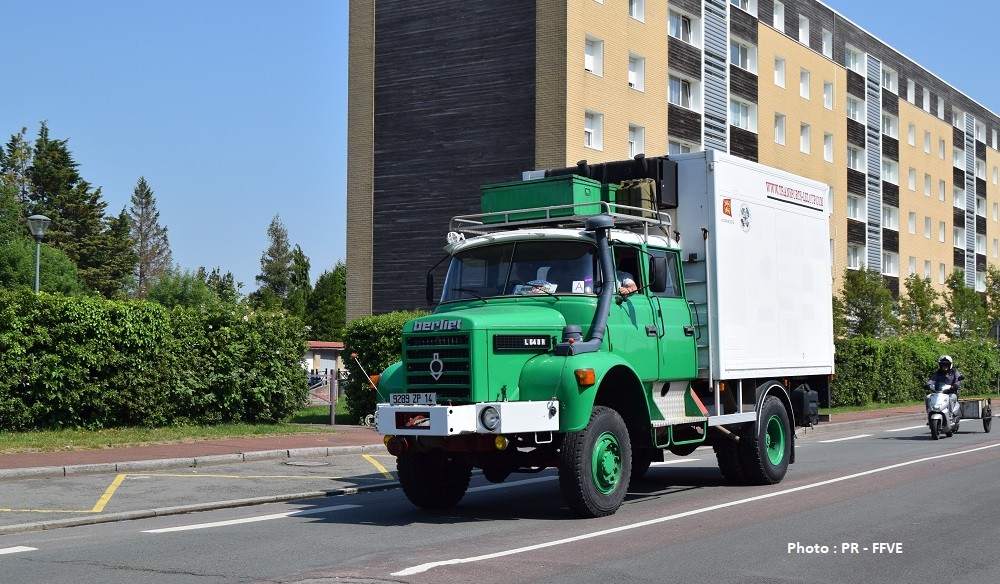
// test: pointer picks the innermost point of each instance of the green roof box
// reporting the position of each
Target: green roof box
(566, 189)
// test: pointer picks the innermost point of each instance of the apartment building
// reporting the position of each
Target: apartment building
(448, 95)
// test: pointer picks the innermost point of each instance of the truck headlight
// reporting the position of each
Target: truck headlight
(489, 417)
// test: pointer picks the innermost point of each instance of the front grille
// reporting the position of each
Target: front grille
(438, 363)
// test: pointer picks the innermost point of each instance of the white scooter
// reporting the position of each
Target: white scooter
(943, 410)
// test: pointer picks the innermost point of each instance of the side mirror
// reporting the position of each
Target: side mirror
(430, 288)
(658, 274)
(961, 377)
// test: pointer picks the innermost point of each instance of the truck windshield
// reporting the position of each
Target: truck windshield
(522, 268)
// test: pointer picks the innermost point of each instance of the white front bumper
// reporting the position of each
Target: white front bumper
(515, 418)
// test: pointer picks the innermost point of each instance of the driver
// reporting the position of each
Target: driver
(946, 374)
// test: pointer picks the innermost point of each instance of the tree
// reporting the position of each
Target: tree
(325, 310)
(178, 287)
(301, 287)
(919, 310)
(152, 248)
(993, 300)
(223, 285)
(275, 278)
(868, 304)
(15, 159)
(966, 309)
(10, 213)
(114, 258)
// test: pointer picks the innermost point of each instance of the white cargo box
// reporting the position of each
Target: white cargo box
(761, 240)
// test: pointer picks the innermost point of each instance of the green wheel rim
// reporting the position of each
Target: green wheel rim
(774, 440)
(606, 465)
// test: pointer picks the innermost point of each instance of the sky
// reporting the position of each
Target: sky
(233, 111)
(236, 110)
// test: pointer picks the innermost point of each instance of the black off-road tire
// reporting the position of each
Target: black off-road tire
(433, 480)
(766, 446)
(727, 454)
(642, 458)
(595, 465)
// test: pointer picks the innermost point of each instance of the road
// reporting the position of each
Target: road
(866, 504)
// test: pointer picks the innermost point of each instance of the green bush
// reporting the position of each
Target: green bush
(376, 342)
(85, 362)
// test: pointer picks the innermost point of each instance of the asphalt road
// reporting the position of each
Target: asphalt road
(862, 504)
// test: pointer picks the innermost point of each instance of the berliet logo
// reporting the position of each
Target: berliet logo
(436, 367)
(437, 325)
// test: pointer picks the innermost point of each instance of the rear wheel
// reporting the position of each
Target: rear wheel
(766, 448)
(595, 465)
(433, 480)
(987, 422)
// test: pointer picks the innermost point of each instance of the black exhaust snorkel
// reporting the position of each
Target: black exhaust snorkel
(572, 343)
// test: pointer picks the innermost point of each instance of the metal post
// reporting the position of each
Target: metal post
(38, 253)
(334, 390)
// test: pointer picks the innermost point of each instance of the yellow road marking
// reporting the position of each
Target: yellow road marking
(378, 466)
(108, 493)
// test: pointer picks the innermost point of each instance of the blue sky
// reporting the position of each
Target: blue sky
(236, 111)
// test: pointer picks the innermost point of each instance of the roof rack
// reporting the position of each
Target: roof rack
(624, 216)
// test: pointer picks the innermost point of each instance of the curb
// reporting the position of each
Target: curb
(182, 509)
(45, 472)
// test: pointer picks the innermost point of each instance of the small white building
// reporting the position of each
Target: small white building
(323, 357)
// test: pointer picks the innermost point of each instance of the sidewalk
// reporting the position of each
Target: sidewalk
(339, 440)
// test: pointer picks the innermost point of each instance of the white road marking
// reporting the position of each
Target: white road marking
(513, 484)
(251, 519)
(677, 461)
(842, 439)
(18, 549)
(907, 428)
(429, 565)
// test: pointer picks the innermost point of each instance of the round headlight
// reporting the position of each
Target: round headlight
(489, 417)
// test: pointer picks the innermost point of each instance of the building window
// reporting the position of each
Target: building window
(981, 132)
(636, 140)
(593, 56)
(742, 4)
(927, 185)
(779, 16)
(912, 179)
(958, 118)
(855, 255)
(890, 171)
(890, 263)
(856, 207)
(940, 108)
(828, 147)
(942, 187)
(890, 217)
(680, 26)
(911, 135)
(996, 247)
(804, 83)
(957, 237)
(827, 44)
(828, 95)
(958, 158)
(981, 206)
(927, 269)
(927, 227)
(958, 197)
(980, 282)
(637, 9)
(804, 30)
(941, 148)
(980, 244)
(981, 169)
(890, 125)
(680, 92)
(940, 273)
(636, 72)
(890, 80)
(911, 89)
(855, 158)
(779, 128)
(853, 60)
(927, 142)
(855, 109)
(779, 71)
(927, 100)
(996, 210)
(942, 229)
(593, 130)
(912, 223)
(743, 115)
(913, 265)
(675, 147)
(743, 55)
(994, 175)
(804, 133)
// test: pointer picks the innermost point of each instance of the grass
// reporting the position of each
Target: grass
(308, 419)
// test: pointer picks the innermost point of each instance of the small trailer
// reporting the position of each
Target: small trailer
(978, 408)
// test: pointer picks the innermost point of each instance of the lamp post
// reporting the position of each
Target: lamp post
(38, 224)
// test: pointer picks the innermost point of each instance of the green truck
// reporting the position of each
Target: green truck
(596, 316)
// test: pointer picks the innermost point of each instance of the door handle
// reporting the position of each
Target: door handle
(651, 330)
(689, 331)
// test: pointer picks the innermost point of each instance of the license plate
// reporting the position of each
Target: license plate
(413, 399)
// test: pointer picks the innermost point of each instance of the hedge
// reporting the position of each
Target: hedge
(82, 362)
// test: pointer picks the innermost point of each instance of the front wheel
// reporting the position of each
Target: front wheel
(935, 429)
(765, 455)
(595, 465)
(433, 480)
(987, 422)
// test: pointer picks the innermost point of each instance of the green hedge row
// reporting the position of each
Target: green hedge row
(894, 370)
(81, 362)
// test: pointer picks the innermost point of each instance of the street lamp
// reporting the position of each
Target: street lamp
(38, 224)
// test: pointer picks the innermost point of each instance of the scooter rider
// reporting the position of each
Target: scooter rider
(946, 374)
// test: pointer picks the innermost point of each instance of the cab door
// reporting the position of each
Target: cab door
(675, 335)
(632, 323)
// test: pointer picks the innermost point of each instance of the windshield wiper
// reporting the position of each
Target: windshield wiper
(470, 292)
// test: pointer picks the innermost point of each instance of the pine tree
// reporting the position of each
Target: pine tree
(275, 278)
(152, 248)
(15, 159)
(325, 310)
(225, 285)
(301, 287)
